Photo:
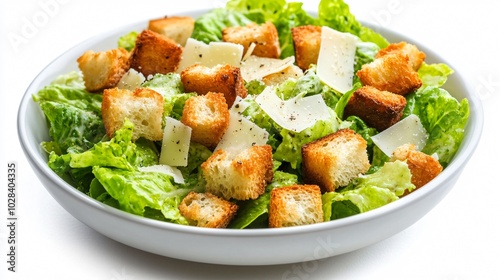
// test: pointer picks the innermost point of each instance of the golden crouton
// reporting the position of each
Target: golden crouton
(334, 160)
(155, 53)
(177, 28)
(207, 210)
(225, 79)
(143, 107)
(379, 109)
(391, 72)
(265, 38)
(307, 43)
(295, 205)
(291, 71)
(416, 57)
(243, 177)
(103, 70)
(208, 117)
(423, 167)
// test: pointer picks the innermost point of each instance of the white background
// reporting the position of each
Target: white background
(458, 239)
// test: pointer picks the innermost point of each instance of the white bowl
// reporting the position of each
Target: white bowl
(229, 246)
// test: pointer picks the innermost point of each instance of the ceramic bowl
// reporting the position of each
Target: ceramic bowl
(229, 246)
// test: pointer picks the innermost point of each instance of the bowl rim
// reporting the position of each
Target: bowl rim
(469, 144)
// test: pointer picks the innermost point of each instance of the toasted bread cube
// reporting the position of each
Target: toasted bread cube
(208, 116)
(155, 53)
(307, 43)
(241, 177)
(334, 160)
(265, 38)
(391, 72)
(177, 28)
(379, 109)
(295, 205)
(225, 79)
(423, 167)
(103, 70)
(143, 107)
(207, 210)
(416, 57)
(292, 71)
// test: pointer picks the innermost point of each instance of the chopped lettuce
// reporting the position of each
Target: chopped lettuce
(208, 27)
(368, 192)
(434, 74)
(135, 190)
(444, 118)
(128, 40)
(171, 87)
(337, 15)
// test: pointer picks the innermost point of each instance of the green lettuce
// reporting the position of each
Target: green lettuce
(208, 27)
(444, 118)
(368, 192)
(171, 87)
(434, 75)
(337, 15)
(135, 191)
(128, 40)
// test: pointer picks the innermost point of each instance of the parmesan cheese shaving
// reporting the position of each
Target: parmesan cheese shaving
(407, 131)
(210, 55)
(336, 59)
(295, 114)
(175, 144)
(255, 68)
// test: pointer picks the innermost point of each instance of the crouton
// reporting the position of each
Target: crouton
(334, 160)
(416, 57)
(208, 116)
(207, 210)
(379, 109)
(291, 71)
(155, 53)
(265, 38)
(177, 28)
(225, 79)
(307, 43)
(391, 72)
(103, 70)
(295, 205)
(143, 107)
(423, 167)
(243, 177)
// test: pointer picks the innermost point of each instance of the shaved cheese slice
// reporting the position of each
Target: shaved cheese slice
(166, 169)
(241, 133)
(176, 141)
(255, 68)
(407, 131)
(131, 80)
(336, 59)
(215, 53)
(295, 114)
(249, 52)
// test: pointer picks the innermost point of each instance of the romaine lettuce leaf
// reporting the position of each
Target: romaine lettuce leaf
(128, 40)
(444, 118)
(208, 27)
(71, 127)
(434, 74)
(368, 192)
(135, 191)
(171, 87)
(337, 15)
